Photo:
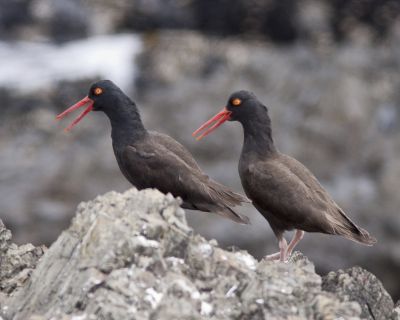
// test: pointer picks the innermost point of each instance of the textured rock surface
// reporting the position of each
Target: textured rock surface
(16, 262)
(132, 256)
(357, 284)
(396, 313)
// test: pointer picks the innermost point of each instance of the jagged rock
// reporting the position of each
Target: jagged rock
(357, 284)
(132, 256)
(396, 312)
(16, 262)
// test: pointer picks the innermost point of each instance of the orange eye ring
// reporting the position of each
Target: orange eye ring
(98, 91)
(236, 102)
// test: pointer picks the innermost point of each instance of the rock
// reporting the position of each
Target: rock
(396, 312)
(16, 262)
(357, 284)
(278, 21)
(132, 256)
(58, 20)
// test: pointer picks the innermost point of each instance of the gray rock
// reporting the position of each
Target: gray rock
(132, 256)
(16, 262)
(357, 284)
(396, 312)
(279, 21)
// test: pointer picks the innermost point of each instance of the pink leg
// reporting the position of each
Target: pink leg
(286, 250)
(274, 256)
(299, 234)
(283, 249)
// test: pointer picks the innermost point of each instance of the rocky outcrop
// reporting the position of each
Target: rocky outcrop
(357, 284)
(16, 262)
(132, 256)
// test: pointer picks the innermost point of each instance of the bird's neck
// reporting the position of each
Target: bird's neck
(258, 136)
(126, 127)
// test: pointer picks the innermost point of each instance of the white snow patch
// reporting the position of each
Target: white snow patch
(153, 297)
(81, 317)
(260, 301)
(206, 308)
(247, 259)
(31, 66)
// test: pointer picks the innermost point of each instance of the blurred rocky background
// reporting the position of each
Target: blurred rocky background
(327, 70)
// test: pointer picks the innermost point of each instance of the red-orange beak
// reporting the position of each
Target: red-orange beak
(86, 100)
(213, 123)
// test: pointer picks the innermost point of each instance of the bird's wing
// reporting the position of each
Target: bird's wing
(308, 178)
(293, 193)
(158, 165)
(178, 149)
(220, 191)
(319, 194)
(338, 219)
(273, 187)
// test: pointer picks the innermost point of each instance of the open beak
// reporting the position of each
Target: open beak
(80, 104)
(212, 124)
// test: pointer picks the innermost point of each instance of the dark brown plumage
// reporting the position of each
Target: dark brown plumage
(285, 192)
(154, 160)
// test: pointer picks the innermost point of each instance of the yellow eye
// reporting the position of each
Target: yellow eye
(236, 102)
(98, 91)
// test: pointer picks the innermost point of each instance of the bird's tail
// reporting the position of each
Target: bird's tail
(229, 213)
(362, 236)
(348, 229)
(223, 211)
(226, 195)
(225, 199)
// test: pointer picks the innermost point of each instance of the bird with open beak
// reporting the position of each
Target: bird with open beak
(150, 159)
(282, 189)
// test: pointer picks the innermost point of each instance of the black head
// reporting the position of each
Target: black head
(104, 96)
(244, 105)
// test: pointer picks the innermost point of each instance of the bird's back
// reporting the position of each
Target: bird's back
(290, 196)
(158, 161)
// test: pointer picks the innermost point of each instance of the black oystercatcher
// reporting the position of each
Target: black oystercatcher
(285, 192)
(154, 160)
